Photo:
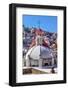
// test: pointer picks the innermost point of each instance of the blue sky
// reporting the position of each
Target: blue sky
(47, 23)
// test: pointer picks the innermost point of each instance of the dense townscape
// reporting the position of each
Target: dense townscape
(29, 35)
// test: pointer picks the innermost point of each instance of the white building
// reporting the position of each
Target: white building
(39, 55)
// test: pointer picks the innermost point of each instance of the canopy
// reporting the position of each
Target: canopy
(37, 52)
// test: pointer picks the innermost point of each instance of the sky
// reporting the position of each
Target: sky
(47, 23)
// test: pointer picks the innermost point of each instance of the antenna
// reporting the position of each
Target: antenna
(39, 24)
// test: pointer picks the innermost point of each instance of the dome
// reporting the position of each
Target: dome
(37, 52)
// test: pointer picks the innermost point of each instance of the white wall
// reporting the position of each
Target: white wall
(4, 44)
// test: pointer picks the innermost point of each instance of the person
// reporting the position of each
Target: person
(52, 70)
